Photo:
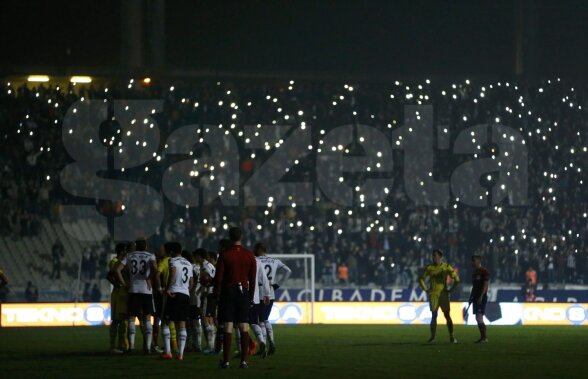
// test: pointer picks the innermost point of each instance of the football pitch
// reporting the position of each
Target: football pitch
(318, 351)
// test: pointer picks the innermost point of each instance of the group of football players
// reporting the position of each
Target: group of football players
(171, 291)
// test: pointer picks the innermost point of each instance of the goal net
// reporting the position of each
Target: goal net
(298, 290)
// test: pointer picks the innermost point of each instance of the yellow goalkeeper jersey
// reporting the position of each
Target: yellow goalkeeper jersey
(163, 268)
(111, 267)
(438, 277)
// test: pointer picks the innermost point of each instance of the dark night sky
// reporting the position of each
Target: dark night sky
(410, 38)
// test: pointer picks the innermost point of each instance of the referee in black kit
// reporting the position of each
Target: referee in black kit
(234, 283)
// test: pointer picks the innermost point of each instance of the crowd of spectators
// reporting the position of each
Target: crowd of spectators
(386, 243)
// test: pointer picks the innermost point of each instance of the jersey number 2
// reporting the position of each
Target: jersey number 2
(268, 271)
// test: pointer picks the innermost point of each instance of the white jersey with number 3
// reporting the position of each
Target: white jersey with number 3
(184, 271)
(139, 264)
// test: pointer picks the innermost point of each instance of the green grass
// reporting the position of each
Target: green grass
(321, 351)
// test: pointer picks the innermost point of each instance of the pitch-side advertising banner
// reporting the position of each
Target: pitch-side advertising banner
(401, 313)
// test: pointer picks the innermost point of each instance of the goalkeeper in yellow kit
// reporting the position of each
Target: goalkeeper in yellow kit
(438, 291)
(118, 304)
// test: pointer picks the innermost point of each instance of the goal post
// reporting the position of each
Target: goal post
(302, 277)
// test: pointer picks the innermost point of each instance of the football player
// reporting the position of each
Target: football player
(438, 292)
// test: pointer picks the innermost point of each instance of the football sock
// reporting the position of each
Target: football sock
(244, 346)
(197, 339)
(433, 324)
(148, 333)
(263, 329)
(210, 336)
(449, 323)
(270, 332)
(227, 339)
(482, 328)
(132, 332)
(182, 335)
(113, 329)
(166, 339)
(257, 330)
(123, 341)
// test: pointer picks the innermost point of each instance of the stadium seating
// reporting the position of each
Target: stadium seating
(550, 236)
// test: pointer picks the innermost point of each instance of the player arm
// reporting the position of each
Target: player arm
(285, 277)
(191, 285)
(171, 279)
(422, 278)
(111, 278)
(484, 288)
(454, 278)
(119, 267)
(155, 275)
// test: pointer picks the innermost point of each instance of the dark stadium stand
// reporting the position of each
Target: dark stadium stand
(382, 245)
